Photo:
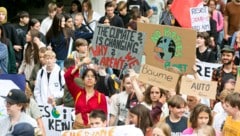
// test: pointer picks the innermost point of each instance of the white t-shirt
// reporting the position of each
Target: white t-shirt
(118, 106)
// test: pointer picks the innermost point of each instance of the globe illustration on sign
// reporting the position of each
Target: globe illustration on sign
(55, 113)
(165, 48)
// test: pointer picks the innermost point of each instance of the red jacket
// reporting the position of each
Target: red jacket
(98, 101)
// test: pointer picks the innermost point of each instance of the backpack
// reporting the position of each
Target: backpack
(59, 78)
(115, 87)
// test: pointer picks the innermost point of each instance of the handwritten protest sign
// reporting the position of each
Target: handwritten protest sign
(200, 18)
(117, 48)
(158, 77)
(205, 69)
(237, 85)
(56, 120)
(168, 46)
(198, 88)
(126, 130)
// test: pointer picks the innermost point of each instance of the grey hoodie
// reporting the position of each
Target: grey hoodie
(3, 58)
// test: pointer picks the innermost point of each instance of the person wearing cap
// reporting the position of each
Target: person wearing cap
(228, 68)
(22, 129)
(16, 103)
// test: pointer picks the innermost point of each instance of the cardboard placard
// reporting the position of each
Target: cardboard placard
(205, 69)
(158, 77)
(57, 119)
(168, 46)
(237, 85)
(117, 48)
(200, 18)
(200, 88)
(126, 130)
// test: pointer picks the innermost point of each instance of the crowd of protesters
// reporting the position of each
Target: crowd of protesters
(40, 51)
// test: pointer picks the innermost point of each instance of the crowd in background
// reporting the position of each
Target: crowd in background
(103, 96)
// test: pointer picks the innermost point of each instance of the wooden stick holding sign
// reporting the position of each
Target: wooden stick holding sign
(237, 85)
(200, 88)
(158, 77)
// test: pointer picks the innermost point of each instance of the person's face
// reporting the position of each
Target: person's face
(123, 11)
(212, 5)
(78, 20)
(89, 79)
(231, 111)
(177, 112)
(157, 132)
(106, 21)
(110, 11)
(97, 122)
(28, 37)
(200, 41)
(74, 7)
(82, 48)
(230, 85)
(203, 119)
(41, 58)
(25, 20)
(63, 22)
(85, 7)
(36, 26)
(155, 94)
(60, 10)
(52, 14)
(2, 16)
(69, 23)
(50, 61)
(133, 119)
(227, 58)
(12, 108)
(128, 85)
(191, 102)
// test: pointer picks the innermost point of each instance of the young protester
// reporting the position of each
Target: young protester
(30, 53)
(3, 58)
(232, 107)
(228, 67)
(49, 81)
(200, 116)
(90, 17)
(85, 98)
(142, 5)
(33, 110)
(97, 118)
(152, 102)
(16, 103)
(76, 8)
(176, 120)
(141, 118)
(22, 129)
(69, 22)
(126, 99)
(81, 51)
(47, 22)
(123, 13)
(35, 24)
(11, 66)
(33, 76)
(161, 129)
(192, 101)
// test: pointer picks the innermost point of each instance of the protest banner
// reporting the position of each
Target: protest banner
(205, 69)
(56, 119)
(8, 82)
(200, 18)
(168, 46)
(180, 10)
(200, 88)
(237, 85)
(117, 48)
(126, 130)
(158, 77)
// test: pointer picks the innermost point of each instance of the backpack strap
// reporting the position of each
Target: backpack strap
(106, 78)
(78, 95)
(41, 74)
(60, 80)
